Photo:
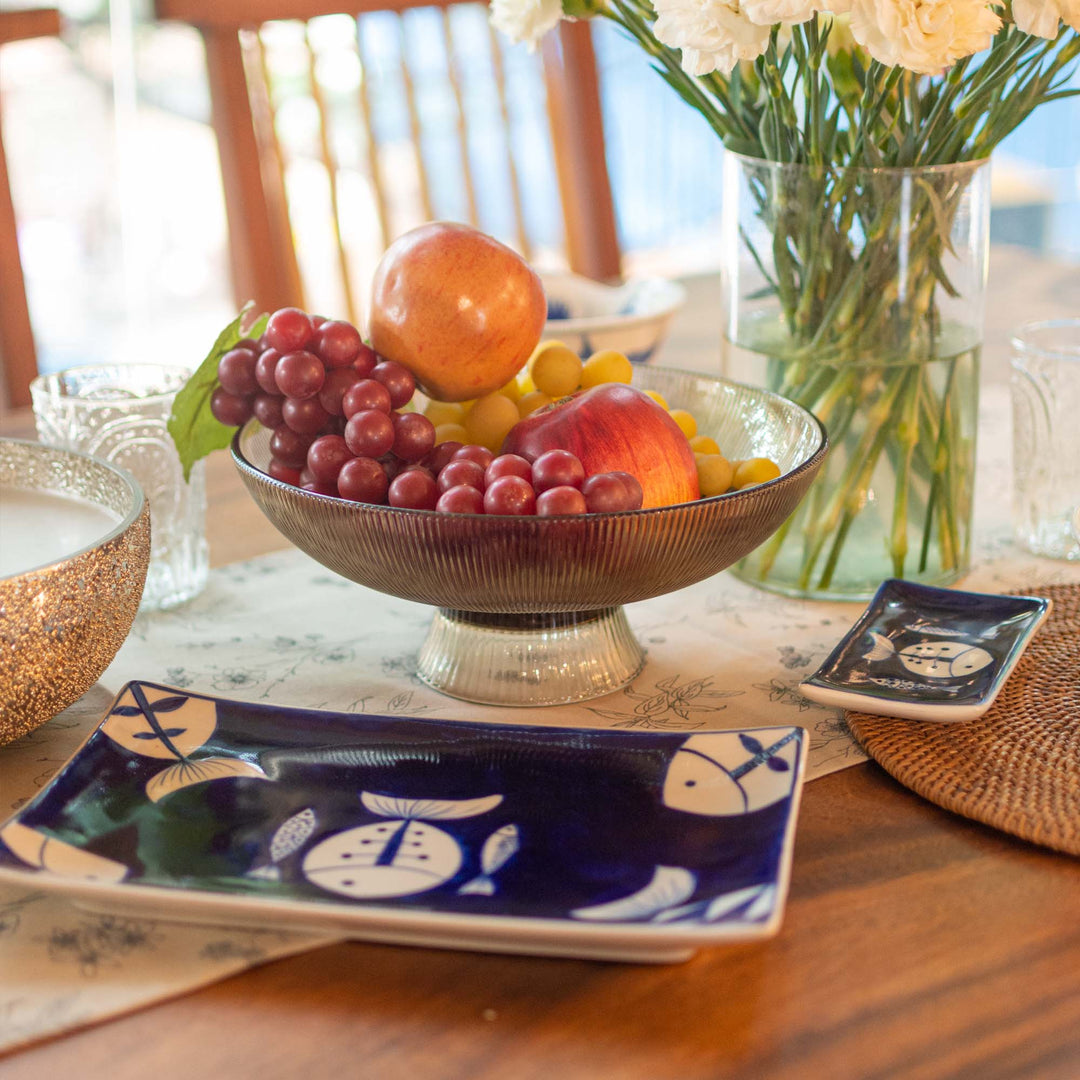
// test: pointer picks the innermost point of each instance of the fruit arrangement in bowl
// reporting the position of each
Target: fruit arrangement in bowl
(524, 493)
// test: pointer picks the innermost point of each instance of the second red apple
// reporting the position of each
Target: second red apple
(613, 428)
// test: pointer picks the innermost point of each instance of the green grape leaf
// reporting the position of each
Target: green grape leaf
(192, 425)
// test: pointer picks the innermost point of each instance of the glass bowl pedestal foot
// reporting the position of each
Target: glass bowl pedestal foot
(522, 660)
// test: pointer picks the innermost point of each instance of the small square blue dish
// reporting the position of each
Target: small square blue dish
(924, 653)
(614, 845)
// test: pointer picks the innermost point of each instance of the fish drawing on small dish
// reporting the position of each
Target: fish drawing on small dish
(931, 659)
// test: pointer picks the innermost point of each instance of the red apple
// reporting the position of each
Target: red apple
(614, 428)
(460, 310)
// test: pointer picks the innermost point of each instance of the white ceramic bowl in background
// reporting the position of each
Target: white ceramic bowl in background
(589, 316)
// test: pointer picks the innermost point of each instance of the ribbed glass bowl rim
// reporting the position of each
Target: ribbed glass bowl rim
(533, 521)
(138, 500)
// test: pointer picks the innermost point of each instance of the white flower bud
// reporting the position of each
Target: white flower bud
(525, 20)
(714, 35)
(767, 12)
(1043, 17)
(924, 36)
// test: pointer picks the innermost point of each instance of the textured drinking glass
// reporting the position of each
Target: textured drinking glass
(118, 413)
(1046, 437)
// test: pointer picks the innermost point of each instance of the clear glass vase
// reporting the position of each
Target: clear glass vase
(859, 294)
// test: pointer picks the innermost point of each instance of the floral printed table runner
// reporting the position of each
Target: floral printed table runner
(282, 629)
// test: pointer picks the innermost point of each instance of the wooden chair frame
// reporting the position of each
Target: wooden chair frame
(263, 262)
(18, 353)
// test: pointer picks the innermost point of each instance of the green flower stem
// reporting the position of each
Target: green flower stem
(907, 436)
(854, 495)
(947, 531)
(849, 496)
(836, 393)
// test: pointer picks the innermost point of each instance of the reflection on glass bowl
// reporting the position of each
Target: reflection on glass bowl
(530, 609)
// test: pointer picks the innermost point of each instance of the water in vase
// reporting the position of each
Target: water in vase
(894, 498)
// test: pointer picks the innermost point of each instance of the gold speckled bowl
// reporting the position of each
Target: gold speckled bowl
(62, 623)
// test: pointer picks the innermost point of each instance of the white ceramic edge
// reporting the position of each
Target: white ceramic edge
(596, 323)
(125, 523)
(940, 712)
(633, 952)
(899, 710)
(552, 937)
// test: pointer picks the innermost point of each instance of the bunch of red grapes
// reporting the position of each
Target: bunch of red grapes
(334, 407)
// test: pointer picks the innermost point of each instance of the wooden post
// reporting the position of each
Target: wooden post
(263, 262)
(18, 353)
(17, 350)
(577, 131)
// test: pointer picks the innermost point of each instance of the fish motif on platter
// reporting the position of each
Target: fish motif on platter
(399, 856)
(46, 852)
(668, 887)
(732, 772)
(156, 722)
(932, 659)
(499, 848)
(291, 836)
(751, 904)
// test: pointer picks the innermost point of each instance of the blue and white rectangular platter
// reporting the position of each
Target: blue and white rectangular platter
(610, 845)
(925, 653)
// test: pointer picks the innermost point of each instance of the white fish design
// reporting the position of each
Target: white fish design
(138, 723)
(732, 772)
(932, 659)
(670, 885)
(499, 848)
(290, 836)
(742, 905)
(397, 857)
(59, 857)
(937, 631)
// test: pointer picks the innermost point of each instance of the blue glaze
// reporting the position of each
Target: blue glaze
(924, 645)
(227, 797)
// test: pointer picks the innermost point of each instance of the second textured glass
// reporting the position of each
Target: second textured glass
(1046, 437)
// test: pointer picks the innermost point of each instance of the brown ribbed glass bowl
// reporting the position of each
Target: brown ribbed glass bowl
(553, 586)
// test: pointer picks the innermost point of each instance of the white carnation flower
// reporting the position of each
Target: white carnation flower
(1043, 17)
(526, 20)
(767, 12)
(714, 35)
(924, 36)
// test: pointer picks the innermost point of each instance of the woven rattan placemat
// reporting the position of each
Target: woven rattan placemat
(1017, 767)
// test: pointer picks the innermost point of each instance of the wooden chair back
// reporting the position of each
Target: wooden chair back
(334, 196)
(18, 354)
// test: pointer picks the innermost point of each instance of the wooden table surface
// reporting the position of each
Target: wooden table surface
(915, 944)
